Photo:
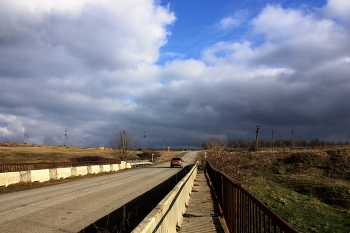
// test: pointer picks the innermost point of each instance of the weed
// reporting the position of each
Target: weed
(187, 215)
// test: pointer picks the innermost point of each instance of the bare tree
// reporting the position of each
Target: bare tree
(205, 145)
(216, 144)
(121, 143)
(231, 144)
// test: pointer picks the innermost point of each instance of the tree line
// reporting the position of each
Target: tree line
(263, 143)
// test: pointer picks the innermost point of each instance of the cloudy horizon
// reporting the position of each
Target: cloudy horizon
(179, 71)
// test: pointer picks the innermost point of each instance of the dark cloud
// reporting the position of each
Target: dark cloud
(90, 68)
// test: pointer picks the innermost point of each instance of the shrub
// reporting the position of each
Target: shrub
(14, 144)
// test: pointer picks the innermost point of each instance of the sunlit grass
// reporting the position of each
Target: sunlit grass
(304, 212)
(308, 187)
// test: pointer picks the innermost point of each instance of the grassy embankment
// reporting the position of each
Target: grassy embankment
(309, 188)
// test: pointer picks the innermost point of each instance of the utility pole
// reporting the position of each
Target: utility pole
(273, 142)
(256, 138)
(65, 137)
(292, 139)
(144, 140)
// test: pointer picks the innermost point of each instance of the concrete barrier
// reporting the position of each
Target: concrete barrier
(40, 175)
(168, 213)
(114, 167)
(94, 169)
(79, 171)
(7, 178)
(122, 165)
(106, 168)
(60, 173)
(25, 176)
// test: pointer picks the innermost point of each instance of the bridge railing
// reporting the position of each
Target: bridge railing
(241, 210)
(140, 164)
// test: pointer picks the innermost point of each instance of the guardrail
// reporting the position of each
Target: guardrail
(242, 211)
(140, 164)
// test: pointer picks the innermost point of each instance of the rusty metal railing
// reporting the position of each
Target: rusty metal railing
(36, 166)
(242, 211)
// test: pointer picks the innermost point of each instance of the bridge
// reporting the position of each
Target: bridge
(74, 206)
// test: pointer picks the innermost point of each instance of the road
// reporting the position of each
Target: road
(70, 207)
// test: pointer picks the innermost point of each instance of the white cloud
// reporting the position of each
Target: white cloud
(290, 75)
(338, 8)
(67, 63)
(228, 22)
(285, 25)
(13, 126)
(102, 35)
(184, 69)
(297, 39)
(233, 53)
(91, 68)
(234, 20)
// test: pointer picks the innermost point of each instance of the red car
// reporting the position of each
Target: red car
(176, 162)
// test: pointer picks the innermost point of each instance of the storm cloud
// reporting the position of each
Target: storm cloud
(91, 67)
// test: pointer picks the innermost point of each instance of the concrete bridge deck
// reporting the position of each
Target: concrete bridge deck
(202, 213)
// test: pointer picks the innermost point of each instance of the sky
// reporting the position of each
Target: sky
(175, 71)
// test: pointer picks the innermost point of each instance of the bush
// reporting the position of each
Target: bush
(14, 144)
(229, 163)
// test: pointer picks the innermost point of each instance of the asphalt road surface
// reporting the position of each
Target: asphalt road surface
(70, 207)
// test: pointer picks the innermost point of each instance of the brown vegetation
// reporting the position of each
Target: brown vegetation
(277, 143)
(305, 186)
(20, 153)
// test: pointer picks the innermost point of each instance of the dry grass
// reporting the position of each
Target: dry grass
(308, 187)
(46, 153)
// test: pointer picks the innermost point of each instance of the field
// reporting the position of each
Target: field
(308, 187)
(20, 153)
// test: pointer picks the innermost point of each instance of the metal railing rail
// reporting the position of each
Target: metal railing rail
(140, 164)
(15, 167)
(241, 210)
